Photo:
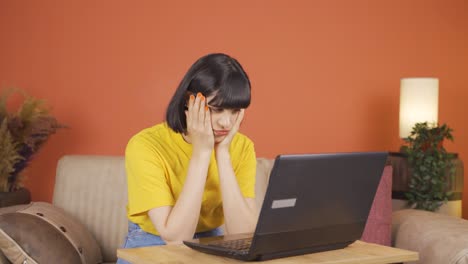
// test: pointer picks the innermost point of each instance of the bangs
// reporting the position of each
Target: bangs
(233, 92)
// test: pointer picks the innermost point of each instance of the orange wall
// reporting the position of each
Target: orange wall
(325, 74)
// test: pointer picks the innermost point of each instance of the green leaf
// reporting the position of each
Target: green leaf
(430, 165)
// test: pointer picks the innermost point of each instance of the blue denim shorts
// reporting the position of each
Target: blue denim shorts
(136, 237)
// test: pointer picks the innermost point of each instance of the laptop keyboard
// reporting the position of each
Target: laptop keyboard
(237, 245)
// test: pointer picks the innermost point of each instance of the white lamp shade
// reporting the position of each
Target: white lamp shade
(419, 100)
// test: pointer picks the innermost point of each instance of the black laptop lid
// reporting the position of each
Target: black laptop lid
(315, 200)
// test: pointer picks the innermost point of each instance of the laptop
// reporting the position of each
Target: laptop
(313, 203)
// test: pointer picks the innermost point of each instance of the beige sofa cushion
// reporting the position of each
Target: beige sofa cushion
(93, 190)
(439, 239)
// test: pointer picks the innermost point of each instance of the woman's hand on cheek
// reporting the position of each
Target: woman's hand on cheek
(226, 142)
(199, 124)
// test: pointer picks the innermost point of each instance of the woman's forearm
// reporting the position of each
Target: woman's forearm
(239, 217)
(183, 219)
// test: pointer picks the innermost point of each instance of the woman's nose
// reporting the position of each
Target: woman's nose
(225, 120)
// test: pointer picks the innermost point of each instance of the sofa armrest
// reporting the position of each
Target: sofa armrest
(439, 239)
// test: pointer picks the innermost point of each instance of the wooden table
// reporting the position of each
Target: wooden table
(358, 252)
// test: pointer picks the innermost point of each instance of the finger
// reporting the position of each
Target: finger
(196, 109)
(208, 119)
(188, 119)
(188, 112)
(236, 126)
(201, 110)
(239, 119)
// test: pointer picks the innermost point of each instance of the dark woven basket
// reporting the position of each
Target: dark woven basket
(21, 196)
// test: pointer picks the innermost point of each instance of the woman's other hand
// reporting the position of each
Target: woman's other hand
(226, 142)
(199, 124)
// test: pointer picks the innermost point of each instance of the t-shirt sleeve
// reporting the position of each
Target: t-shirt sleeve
(146, 178)
(245, 172)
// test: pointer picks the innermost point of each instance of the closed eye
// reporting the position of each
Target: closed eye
(215, 109)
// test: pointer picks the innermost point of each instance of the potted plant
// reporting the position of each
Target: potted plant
(430, 166)
(22, 133)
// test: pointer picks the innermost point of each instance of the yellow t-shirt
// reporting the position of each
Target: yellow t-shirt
(156, 161)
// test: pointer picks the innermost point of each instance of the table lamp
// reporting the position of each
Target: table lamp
(419, 99)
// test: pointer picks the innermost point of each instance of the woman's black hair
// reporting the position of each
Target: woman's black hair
(214, 74)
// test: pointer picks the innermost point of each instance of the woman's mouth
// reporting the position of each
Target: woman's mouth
(219, 133)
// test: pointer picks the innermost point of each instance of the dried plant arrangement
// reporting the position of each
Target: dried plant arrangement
(22, 133)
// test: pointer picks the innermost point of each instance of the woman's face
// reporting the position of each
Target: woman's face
(222, 120)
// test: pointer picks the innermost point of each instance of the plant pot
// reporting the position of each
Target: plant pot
(21, 196)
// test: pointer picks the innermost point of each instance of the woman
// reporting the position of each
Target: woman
(194, 172)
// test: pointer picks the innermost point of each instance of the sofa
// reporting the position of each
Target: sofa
(90, 193)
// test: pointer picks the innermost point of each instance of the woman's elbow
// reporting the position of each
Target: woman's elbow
(170, 240)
